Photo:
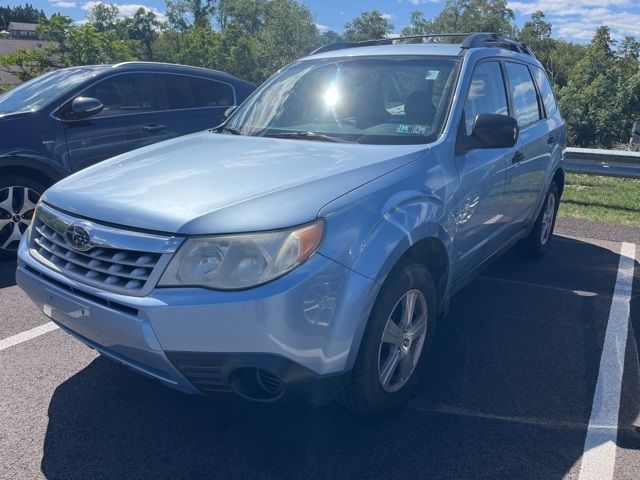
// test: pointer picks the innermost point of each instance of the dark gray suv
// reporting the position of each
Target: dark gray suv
(69, 119)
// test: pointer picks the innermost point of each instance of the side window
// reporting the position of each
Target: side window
(194, 92)
(127, 93)
(523, 92)
(486, 93)
(544, 87)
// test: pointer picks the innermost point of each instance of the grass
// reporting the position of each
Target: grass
(604, 199)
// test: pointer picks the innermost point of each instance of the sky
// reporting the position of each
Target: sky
(574, 20)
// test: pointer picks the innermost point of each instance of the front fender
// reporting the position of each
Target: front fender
(368, 233)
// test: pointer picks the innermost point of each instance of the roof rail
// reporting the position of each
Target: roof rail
(488, 39)
(469, 40)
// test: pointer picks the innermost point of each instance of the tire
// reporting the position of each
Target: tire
(12, 206)
(365, 393)
(537, 243)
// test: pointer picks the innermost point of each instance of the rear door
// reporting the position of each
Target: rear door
(480, 214)
(130, 119)
(194, 103)
(528, 166)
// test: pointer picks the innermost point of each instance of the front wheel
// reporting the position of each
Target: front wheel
(18, 198)
(537, 243)
(394, 344)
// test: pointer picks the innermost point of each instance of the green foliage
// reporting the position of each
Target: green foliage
(26, 64)
(459, 16)
(367, 26)
(601, 99)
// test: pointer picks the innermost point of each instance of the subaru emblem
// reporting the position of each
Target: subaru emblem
(78, 237)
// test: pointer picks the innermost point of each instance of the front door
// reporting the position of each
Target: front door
(131, 119)
(481, 211)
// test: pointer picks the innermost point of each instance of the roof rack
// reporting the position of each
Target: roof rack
(469, 40)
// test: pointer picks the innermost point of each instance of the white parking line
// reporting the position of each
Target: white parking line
(27, 335)
(598, 460)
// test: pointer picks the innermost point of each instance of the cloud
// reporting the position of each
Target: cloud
(61, 4)
(579, 19)
(420, 2)
(322, 28)
(128, 9)
(389, 16)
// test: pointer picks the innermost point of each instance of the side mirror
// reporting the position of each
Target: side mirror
(84, 107)
(492, 130)
(229, 111)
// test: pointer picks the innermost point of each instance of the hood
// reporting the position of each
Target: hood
(208, 183)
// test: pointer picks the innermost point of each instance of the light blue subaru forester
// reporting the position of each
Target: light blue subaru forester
(306, 248)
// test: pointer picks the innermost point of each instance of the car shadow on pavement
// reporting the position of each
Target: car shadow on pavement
(7, 273)
(508, 395)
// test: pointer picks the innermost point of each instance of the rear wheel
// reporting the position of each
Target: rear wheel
(18, 198)
(394, 344)
(537, 243)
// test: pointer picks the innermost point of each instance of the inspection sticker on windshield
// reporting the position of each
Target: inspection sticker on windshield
(432, 75)
(412, 129)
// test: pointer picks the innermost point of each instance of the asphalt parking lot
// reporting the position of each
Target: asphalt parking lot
(514, 373)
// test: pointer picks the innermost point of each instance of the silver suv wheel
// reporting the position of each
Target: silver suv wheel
(547, 218)
(402, 341)
(17, 205)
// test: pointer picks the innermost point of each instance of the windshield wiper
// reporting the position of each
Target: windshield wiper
(308, 136)
(231, 130)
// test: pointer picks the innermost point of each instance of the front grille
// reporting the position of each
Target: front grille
(116, 268)
(126, 270)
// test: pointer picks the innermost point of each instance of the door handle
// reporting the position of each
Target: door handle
(551, 140)
(518, 157)
(155, 127)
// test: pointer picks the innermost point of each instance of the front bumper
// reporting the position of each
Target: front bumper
(304, 327)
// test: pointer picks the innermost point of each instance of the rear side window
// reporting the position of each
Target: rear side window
(195, 92)
(546, 93)
(523, 93)
(122, 94)
(486, 93)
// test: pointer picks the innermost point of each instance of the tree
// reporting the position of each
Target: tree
(418, 25)
(602, 97)
(103, 16)
(26, 64)
(200, 11)
(474, 16)
(288, 33)
(144, 27)
(536, 32)
(368, 25)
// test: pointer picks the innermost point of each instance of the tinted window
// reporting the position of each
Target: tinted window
(128, 93)
(523, 92)
(486, 93)
(544, 87)
(194, 92)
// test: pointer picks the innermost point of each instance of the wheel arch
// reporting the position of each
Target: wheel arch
(558, 177)
(42, 172)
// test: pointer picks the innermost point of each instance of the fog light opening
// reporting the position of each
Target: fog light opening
(256, 384)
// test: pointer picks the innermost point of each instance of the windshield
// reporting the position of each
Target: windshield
(365, 100)
(36, 93)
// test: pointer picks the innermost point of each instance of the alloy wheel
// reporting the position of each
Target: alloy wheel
(547, 218)
(17, 205)
(402, 341)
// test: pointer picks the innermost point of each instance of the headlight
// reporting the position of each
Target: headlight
(229, 262)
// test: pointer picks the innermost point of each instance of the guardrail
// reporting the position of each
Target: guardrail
(609, 163)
